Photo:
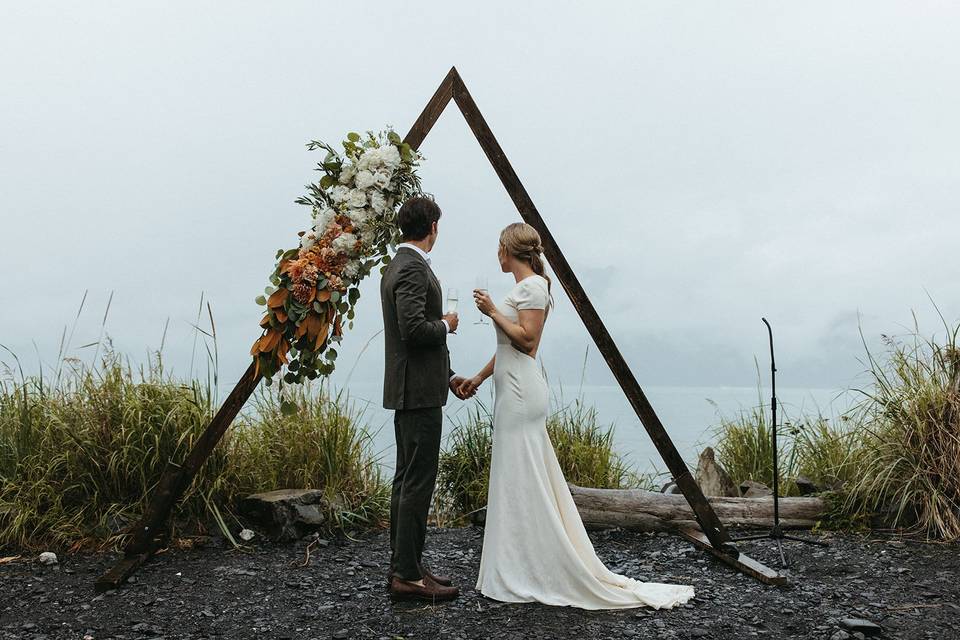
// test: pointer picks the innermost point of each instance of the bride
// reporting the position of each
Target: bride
(535, 547)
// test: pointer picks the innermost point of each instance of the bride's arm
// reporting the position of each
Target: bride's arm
(524, 334)
(470, 385)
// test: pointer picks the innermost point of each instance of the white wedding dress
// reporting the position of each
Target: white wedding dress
(535, 547)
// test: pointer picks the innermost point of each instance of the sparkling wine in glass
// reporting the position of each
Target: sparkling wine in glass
(483, 285)
(453, 299)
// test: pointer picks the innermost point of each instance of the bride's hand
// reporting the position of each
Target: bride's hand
(468, 388)
(484, 302)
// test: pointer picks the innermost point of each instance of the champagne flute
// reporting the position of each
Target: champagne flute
(453, 299)
(483, 285)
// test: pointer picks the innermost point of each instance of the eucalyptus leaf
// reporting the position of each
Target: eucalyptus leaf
(260, 300)
(353, 136)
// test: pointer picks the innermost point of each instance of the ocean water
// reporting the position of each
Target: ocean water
(689, 414)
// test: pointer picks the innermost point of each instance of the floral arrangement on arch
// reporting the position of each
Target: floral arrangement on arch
(314, 288)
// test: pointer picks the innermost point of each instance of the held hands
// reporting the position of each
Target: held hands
(459, 388)
(469, 386)
(484, 302)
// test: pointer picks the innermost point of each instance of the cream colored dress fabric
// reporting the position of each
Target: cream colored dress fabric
(535, 547)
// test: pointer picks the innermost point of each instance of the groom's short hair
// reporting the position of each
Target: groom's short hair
(416, 217)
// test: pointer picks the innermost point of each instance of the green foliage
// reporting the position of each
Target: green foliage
(892, 461)
(908, 427)
(584, 449)
(79, 457)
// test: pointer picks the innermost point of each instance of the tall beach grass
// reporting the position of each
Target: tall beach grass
(81, 452)
(891, 462)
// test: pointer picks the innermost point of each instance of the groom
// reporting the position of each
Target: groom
(416, 380)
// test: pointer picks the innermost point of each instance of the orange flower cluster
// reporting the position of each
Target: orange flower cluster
(304, 272)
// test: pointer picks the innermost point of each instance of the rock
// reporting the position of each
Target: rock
(341, 635)
(712, 478)
(806, 486)
(48, 558)
(670, 487)
(246, 535)
(840, 635)
(479, 518)
(865, 627)
(751, 489)
(286, 514)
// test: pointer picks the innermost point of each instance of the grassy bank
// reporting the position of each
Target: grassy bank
(584, 449)
(80, 453)
(892, 461)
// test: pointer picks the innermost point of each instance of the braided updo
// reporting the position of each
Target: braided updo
(522, 241)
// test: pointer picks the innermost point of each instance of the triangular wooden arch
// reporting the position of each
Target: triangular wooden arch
(149, 534)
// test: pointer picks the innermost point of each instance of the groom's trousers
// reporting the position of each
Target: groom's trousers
(418, 448)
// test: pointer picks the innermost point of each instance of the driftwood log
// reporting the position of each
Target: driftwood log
(651, 511)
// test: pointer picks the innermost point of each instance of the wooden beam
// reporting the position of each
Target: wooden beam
(742, 563)
(702, 510)
(150, 533)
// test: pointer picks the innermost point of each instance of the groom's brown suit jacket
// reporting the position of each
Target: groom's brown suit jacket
(417, 363)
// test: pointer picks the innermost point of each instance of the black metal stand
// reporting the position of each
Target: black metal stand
(776, 533)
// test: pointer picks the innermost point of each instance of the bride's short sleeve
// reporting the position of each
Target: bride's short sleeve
(532, 294)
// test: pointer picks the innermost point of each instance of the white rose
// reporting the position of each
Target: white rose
(357, 198)
(345, 243)
(359, 217)
(364, 179)
(339, 193)
(378, 202)
(381, 179)
(390, 156)
(369, 159)
(347, 173)
(323, 220)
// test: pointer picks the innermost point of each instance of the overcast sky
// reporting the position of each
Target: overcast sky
(700, 164)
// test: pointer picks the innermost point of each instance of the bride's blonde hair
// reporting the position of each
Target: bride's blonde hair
(522, 241)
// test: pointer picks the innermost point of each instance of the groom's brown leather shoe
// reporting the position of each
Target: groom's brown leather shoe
(441, 580)
(429, 592)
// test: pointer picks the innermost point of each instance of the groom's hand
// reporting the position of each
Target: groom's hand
(453, 321)
(456, 384)
(469, 387)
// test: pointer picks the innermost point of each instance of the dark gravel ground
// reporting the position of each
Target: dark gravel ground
(211, 592)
